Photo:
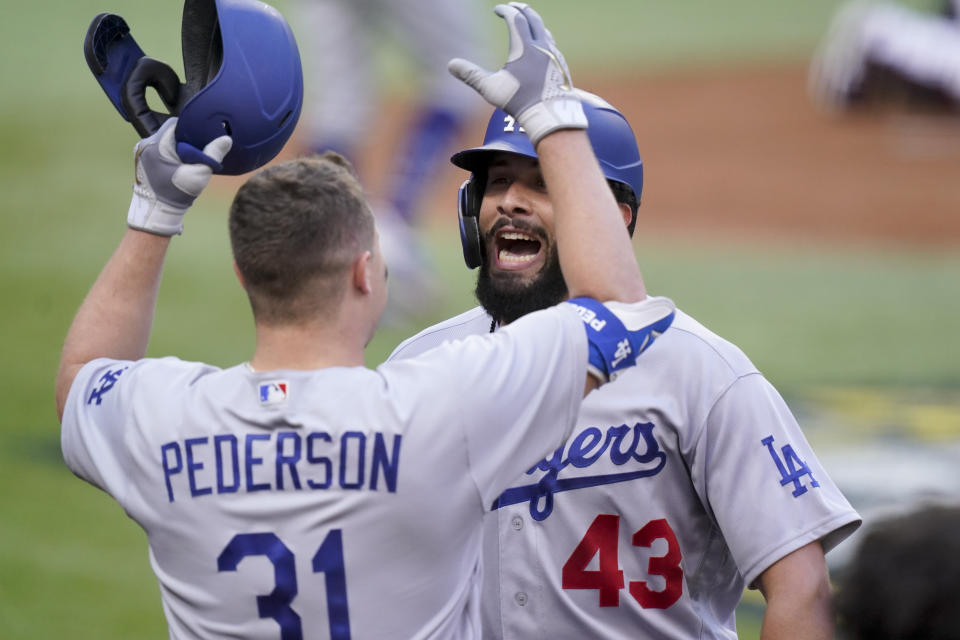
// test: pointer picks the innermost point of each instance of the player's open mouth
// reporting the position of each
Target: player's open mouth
(516, 249)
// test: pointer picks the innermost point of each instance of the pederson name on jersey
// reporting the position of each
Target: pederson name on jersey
(280, 461)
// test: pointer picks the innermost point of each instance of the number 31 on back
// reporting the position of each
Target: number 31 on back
(328, 560)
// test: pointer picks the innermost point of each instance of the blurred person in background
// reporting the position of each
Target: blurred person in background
(345, 98)
(904, 579)
(889, 55)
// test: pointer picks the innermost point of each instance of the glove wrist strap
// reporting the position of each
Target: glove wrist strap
(551, 115)
(613, 347)
(146, 213)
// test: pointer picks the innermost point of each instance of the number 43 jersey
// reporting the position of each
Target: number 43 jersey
(682, 481)
(335, 503)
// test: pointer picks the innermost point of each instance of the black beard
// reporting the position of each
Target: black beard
(507, 300)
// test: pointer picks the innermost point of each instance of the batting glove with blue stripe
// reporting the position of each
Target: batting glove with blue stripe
(618, 332)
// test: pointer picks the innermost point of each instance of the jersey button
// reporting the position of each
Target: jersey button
(521, 598)
(516, 523)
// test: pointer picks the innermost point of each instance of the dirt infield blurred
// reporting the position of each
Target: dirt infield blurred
(743, 152)
(746, 152)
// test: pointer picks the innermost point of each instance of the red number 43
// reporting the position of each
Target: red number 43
(602, 539)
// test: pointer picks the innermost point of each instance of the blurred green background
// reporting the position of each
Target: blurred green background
(71, 563)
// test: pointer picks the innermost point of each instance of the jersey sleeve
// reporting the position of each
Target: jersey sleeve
(91, 434)
(763, 483)
(515, 393)
(99, 415)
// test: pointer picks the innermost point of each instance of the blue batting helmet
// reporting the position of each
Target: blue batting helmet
(611, 137)
(243, 79)
(243, 75)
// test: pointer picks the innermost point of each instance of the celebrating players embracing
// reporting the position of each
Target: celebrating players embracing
(286, 497)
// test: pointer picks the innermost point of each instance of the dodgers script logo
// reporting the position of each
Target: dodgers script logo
(582, 451)
(273, 392)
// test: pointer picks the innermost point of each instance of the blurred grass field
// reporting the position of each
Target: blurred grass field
(72, 565)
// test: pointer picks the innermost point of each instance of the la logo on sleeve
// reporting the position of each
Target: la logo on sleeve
(791, 467)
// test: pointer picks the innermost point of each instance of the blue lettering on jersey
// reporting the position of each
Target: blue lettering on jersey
(170, 468)
(279, 461)
(231, 441)
(107, 381)
(288, 460)
(385, 464)
(356, 453)
(193, 466)
(254, 461)
(582, 451)
(314, 458)
(791, 467)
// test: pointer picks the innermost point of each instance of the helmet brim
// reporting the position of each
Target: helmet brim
(478, 159)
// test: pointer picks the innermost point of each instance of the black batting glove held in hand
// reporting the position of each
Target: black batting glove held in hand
(534, 85)
(165, 187)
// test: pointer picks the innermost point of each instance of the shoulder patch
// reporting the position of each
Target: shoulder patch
(106, 382)
(792, 469)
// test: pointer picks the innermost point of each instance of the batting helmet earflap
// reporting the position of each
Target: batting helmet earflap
(468, 214)
(611, 137)
(243, 78)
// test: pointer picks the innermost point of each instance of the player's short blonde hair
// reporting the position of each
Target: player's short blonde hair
(295, 229)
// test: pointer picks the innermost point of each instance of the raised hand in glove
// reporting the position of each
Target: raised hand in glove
(534, 85)
(165, 186)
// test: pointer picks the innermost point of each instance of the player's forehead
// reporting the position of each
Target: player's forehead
(505, 161)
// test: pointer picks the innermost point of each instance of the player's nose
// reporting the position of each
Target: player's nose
(515, 200)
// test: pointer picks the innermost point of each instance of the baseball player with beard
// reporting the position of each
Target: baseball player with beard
(684, 481)
(285, 497)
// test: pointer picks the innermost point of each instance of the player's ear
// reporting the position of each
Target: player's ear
(236, 272)
(361, 272)
(626, 212)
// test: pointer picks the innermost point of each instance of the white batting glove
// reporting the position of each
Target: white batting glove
(165, 187)
(534, 85)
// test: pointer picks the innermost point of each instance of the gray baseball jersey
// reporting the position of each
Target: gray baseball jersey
(330, 503)
(681, 483)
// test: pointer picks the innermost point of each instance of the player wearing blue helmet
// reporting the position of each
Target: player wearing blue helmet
(684, 481)
(505, 141)
(612, 142)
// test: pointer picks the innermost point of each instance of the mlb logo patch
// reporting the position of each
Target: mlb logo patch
(273, 392)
